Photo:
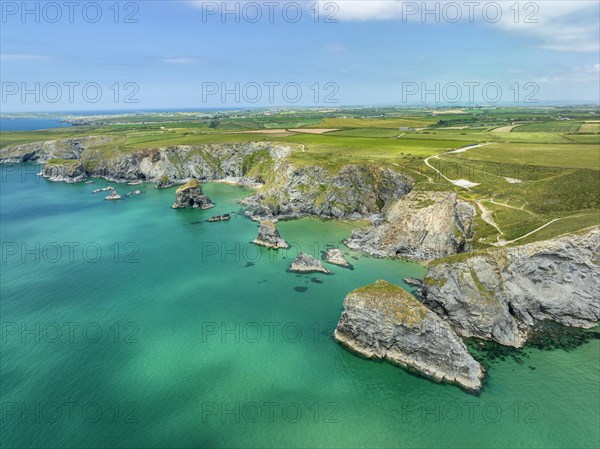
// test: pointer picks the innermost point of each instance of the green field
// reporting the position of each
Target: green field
(550, 127)
(544, 169)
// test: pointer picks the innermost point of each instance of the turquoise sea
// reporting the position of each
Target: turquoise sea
(131, 325)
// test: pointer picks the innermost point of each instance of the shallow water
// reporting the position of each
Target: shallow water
(157, 329)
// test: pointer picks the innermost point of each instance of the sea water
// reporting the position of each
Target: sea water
(130, 324)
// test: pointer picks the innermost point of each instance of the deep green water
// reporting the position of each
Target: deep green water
(165, 349)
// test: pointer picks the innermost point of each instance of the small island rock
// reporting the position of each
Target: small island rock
(336, 257)
(269, 236)
(190, 195)
(306, 263)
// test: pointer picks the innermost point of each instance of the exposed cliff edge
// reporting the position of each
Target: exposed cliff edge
(191, 195)
(64, 171)
(290, 191)
(499, 295)
(420, 225)
(383, 321)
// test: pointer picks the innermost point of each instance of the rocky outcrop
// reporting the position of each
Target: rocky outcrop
(190, 195)
(269, 236)
(421, 226)
(42, 152)
(336, 257)
(114, 196)
(383, 321)
(499, 295)
(353, 191)
(164, 183)
(305, 263)
(64, 171)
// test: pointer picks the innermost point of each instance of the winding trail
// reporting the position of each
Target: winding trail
(463, 183)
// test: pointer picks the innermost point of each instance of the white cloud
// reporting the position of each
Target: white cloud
(561, 26)
(335, 48)
(22, 57)
(548, 24)
(578, 74)
(184, 60)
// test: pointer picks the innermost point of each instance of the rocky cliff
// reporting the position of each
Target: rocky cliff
(499, 295)
(383, 321)
(353, 191)
(420, 225)
(64, 171)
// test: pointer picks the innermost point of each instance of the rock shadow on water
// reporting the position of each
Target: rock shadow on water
(545, 336)
(301, 289)
(249, 264)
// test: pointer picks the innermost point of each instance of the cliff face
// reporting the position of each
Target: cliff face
(64, 172)
(420, 225)
(355, 191)
(383, 321)
(499, 295)
(246, 163)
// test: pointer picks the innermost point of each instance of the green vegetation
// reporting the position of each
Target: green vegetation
(58, 161)
(392, 301)
(538, 173)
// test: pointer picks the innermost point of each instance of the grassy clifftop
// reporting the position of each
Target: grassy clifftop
(538, 175)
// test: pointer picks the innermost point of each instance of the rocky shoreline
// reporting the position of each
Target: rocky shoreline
(497, 294)
(501, 294)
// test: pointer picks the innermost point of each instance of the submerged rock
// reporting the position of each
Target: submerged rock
(190, 195)
(501, 294)
(383, 321)
(306, 263)
(225, 217)
(336, 257)
(269, 236)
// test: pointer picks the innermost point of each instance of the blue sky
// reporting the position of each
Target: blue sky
(373, 53)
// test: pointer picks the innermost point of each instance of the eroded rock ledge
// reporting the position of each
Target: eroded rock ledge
(500, 295)
(383, 321)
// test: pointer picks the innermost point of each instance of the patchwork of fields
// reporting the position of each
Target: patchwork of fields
(538, 174)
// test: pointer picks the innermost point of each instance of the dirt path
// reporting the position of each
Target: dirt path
(465, 184)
